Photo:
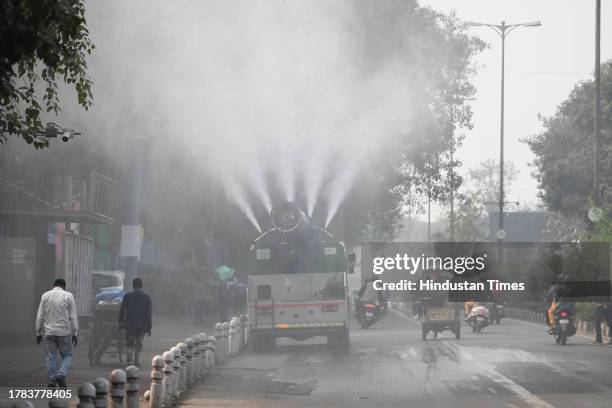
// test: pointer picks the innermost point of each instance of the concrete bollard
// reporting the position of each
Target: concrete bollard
(246, 331)
(87, 395)
(183, 371)
(102, 388)
(176, 377)
(117, 380)
(225, 341)
(196, 359)
(167, 383)
(231, 337)
(189, 342)
(156, 391)
(219, 343)
(238, 336)
(131, 391)
(210, 353)
(202, 366)
(242, 331)
(203, 344)
(59, 403)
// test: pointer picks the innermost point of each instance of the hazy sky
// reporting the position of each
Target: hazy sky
(542, 65)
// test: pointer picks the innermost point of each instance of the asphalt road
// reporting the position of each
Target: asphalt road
(512, 365)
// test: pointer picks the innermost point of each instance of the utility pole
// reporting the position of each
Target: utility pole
(596, 135)
(132, 227)
(452, 190)
(503, 30)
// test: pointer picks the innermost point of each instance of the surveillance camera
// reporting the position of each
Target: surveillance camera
(66, 136)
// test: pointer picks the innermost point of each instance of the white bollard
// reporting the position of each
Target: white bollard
(87, 395)
(242, 332)
(176, 377)
(196, 359)
(102, 388)
(117, 380)
(219, 343)
(231, 339)
(157, 391)
(189, 342)
(183, 381)
(226, 341)
(210, 353)
(203, 341)
(168, 386)
(131, 391)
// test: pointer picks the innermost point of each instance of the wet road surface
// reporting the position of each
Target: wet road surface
(512, 365)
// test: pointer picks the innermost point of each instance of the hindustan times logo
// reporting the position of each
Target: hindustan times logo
(412, 264)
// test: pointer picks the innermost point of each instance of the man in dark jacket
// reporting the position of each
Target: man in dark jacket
(135, 319)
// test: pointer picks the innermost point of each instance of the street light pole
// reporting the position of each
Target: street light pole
(597, 103)
(500, 223)
(502, 30)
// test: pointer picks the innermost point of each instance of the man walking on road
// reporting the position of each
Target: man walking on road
(135, 319)
(57, 325)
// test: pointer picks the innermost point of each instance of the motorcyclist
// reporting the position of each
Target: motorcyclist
(367, 293)
(561, 302)
(550, 298)
(477, 309)
(467, 307)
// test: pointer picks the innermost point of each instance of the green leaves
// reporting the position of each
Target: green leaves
(42, 42)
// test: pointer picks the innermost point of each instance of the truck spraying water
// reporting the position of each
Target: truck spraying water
(297, 282)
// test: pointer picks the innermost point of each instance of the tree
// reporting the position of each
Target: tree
(479, 191)
(564, 150)
(42, 44)
(436, 49)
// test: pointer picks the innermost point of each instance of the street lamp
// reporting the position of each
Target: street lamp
(502, 30)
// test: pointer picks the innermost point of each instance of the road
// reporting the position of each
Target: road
(512, 365)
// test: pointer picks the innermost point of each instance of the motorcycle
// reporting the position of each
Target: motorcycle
(370, 314)
(478, 318)
(496, 312)
(565, 326)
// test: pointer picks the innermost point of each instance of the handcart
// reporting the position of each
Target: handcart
(105, 336)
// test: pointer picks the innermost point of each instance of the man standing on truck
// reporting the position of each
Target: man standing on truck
(56, 322)
(135, 318)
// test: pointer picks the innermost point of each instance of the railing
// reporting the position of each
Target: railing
(91, 193)
(173, 372)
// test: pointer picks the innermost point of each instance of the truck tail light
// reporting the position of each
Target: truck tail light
(564, 314)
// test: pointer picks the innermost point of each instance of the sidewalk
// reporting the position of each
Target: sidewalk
(23, 365)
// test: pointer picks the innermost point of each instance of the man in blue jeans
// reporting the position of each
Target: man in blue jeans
(56, 323)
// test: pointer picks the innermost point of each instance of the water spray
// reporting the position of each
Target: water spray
(236, 194)
(338, 189)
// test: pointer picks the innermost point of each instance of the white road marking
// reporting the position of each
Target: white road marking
(524, 394)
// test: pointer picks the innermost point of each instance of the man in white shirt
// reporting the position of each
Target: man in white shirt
(56, 322)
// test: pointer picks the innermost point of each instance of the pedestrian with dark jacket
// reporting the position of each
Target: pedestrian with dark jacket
(135, 319)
